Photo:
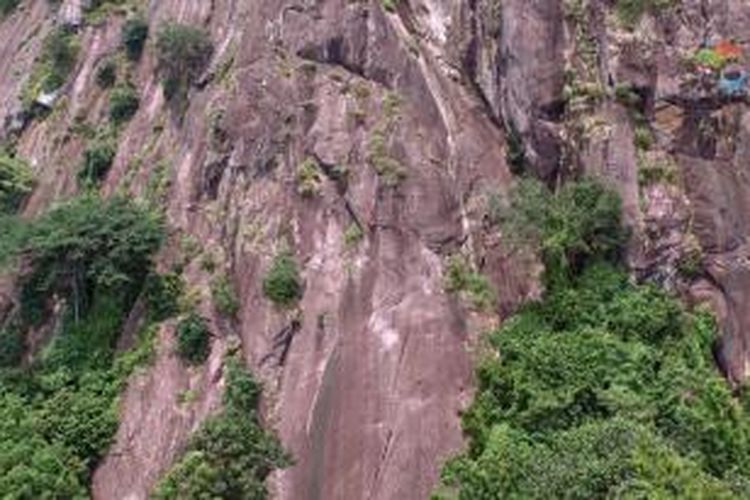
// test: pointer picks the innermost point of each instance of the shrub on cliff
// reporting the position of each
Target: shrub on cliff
(606, 360)
(97, 159)
(462, 278)
(183, 52)
(59, 54)
(631, 11)
(163, 292)
(106, 73)
(11, 347)
(193, 339)
(282, 284)
(231, 455)
(133, 37)
(16, 181)
(8, 6)
(224, 296)
(571, 227)
(123, 103)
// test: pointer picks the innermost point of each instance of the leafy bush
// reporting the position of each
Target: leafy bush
(163, 292)
(389, 5)
(16, 182)
(193, 339)
(388, 168)
(94, 254)
(123, 103)
(230, 456)
(31, 466)
(282, 284)
(97, 159)
(51, 69)
(8, 6)
(308, 178)
(59, 55)
(604, 389)
(631, 11)
(106, 73)
(133, 37)
(515, 154)
(224, 296)
(579, 223)
(11, 347)
(183, 52)
(461, 278)
(598, 352)
(604, 459)
(353, 235)
(49, 453)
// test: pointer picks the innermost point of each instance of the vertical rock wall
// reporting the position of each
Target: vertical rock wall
(366, 391)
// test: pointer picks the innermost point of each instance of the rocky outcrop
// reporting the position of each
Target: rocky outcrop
(406, 117)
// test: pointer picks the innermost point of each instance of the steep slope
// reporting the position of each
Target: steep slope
(375, 375)
(371, 143)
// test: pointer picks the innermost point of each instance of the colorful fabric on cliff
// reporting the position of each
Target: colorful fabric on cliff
(728, 50)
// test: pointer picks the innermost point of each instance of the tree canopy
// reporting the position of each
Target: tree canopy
(605, 388)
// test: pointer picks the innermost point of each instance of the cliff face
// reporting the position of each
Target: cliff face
(408, 117)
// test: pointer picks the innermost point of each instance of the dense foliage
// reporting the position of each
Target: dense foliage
(87, 245)
(183, 52)
(123, 103)
(224, 296)
(106, 73)
(193, 339)
(58, 413)
(631, 11)
(231, 454)
(571, 227)
(282, 283)
(134, 34)
(58, 59)
(163, 292)
(605, 389)
(16, 181)
(8, 6)
(97, 160)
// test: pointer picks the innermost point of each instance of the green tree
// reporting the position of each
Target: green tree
(231, 455)
(183, 53)
(570, 227)
(88, 244)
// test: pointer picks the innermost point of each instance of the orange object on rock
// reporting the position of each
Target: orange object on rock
(728, 49)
